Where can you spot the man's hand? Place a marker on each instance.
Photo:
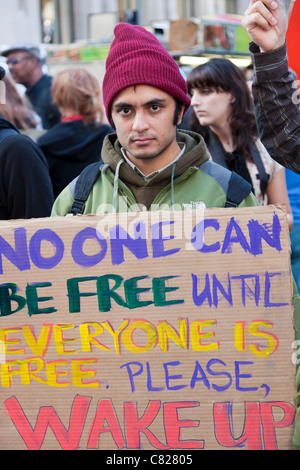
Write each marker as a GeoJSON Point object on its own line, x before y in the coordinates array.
{"type": "Point", "coordinates": [266, 23]}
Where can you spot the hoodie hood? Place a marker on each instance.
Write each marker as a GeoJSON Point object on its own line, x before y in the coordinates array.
{"type": "Point", "coordinates": [5, 124]}
{"type": "Point", "coordinates": [73, 140]}
{"type": "Point", "coordinates": [69, 147]}
{"type": "Point", "coordinates": [144, 189]}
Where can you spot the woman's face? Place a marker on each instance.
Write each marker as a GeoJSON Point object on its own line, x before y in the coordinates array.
{"type": "Point", "coordinates": [212, 107]}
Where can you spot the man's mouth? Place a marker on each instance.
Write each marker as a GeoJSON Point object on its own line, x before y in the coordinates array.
{"type": "Point", "coordinates": [143, 141]}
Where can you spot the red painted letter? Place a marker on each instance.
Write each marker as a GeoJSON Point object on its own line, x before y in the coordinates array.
{"type": "Point", "coordinates": [173, 426]}
{"type": "Point", "coordinates": [134, 425]}
{"type": "Point", "coordinates": [47, 417]}
{"type": "Point", "coordinates": [104, 412]}
{"type": "Point", "coordinates": [252, 434]}
{"type": "Point", "coordinates": [269, 424]}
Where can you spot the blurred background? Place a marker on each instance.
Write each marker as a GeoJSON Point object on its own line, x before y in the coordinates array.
{"type": "Point", "coordinates": [72, 32]}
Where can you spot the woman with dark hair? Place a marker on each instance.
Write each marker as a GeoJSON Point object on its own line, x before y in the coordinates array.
{"type": "Point", "coordinates": [223, 115]}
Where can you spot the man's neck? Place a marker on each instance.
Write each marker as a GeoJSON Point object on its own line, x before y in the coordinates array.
{"type": "Point", "coordinates": [33, 79]}
{"type": "Point", "coordinates": [149, 174]}
{"type": "Point", "coordinates": [147, 166]}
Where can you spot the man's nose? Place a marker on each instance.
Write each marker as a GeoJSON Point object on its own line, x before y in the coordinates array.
{"type": "Point", "coordinates": [140, 122]}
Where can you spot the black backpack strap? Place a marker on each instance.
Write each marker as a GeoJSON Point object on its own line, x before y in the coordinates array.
{"type": "Point", "coordinates": [234, 186]}
{"type": "Point", "coordinates": [238, 190]}
{"type": "Point", "coordinates": [83, 186]}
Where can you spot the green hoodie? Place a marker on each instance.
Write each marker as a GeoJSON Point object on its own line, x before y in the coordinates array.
{"type": "Point", "coordinates": [181, 185]}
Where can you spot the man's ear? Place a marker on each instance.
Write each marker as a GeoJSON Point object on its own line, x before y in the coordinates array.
{"type": "Point", "coordinates": [180, 115]}
{"type": "Point", "coordinates": [112, 124]}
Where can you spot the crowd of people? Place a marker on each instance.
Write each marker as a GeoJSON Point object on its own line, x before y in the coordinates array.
{"type": "Point", "coordinates": [235, 149]}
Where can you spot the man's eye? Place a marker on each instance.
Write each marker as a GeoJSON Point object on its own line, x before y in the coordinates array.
{"type": "Point", "coordinates": [125, 111]}
{"type": "Point", "coordinates": [155, 107]}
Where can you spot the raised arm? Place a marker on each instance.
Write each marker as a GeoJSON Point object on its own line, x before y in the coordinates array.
{"type": "Point", "coordinates": [266, 23]}
{"type": "Point", "coordinates": [275, 96]}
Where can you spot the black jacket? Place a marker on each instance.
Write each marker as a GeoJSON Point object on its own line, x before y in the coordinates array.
{"type": "Point", "coordinates": [69, 147]}
{"type": "Point", "coordinates": [25, 185]}
{"type": "Point", "coordinates": [41, 101]}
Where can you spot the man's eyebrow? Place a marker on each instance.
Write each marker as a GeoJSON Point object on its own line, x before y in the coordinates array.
{"type": "Point", "coordinates": [122, 104]}
{"type": "Point", "coordinates": [155, 101]}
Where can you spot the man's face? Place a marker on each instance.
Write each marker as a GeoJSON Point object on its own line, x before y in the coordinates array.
{"type": "Point", "coordinates": [21, 65]}
{"type": "Point", "coordinates": [144, 120]}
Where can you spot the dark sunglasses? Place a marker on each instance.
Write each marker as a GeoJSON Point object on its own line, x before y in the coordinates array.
{"type": "Point", "coordinates": [16, 61]}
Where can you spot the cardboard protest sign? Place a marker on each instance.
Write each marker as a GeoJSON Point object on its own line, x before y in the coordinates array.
{"type": "Point", "coordinates": [147, 331]}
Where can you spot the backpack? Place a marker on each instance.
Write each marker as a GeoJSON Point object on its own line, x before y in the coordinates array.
{"type": "Point", "coordinates": [237, 188]}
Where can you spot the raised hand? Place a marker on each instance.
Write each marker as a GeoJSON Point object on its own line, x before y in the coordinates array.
{"type": "Point", "coordinates": [266, 23]}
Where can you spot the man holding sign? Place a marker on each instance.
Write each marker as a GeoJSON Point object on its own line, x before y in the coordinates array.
{"type": "Point", "coordinates": [154, 337]}
{"type": "Point", "coordinates": [147, 164]}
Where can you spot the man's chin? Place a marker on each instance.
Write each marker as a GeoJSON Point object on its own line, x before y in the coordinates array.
{"type": "Point", "coordinates": [143, 153]}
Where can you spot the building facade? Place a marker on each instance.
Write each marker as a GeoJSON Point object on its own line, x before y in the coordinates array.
{"type": "Point", "coordinates": [68, 21]}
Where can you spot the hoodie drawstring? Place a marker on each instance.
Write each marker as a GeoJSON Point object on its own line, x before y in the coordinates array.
{"type": "Point", "coordinates": [172, 185]}
{"type": "Point", "coordinates": [116, 187]}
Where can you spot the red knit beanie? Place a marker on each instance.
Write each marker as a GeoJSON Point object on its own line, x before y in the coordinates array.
{"type": "Point", "coordinates": [136, 57]}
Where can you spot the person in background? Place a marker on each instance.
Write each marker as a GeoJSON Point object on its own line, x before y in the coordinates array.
{"type": "Point", "coordinates": [224, 116]}
{"type": "Point", "coordinates": [248, 72]}
{"type": "Point", "coordinates": [77, 140]}
{"type": "Point", "coordinates": [25, 65]}
{"type": "Point", "coordinates": [293, 188]}
{"type": "Point", "coordinates": [25, 185]}
{"type": "Point", "coordinates": [277, 110]}
{"type": "Point", "coordinates": [17, 111]}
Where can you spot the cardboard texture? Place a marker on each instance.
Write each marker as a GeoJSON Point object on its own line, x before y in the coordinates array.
{"type": "Point", "coordinates": [139, 338]}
